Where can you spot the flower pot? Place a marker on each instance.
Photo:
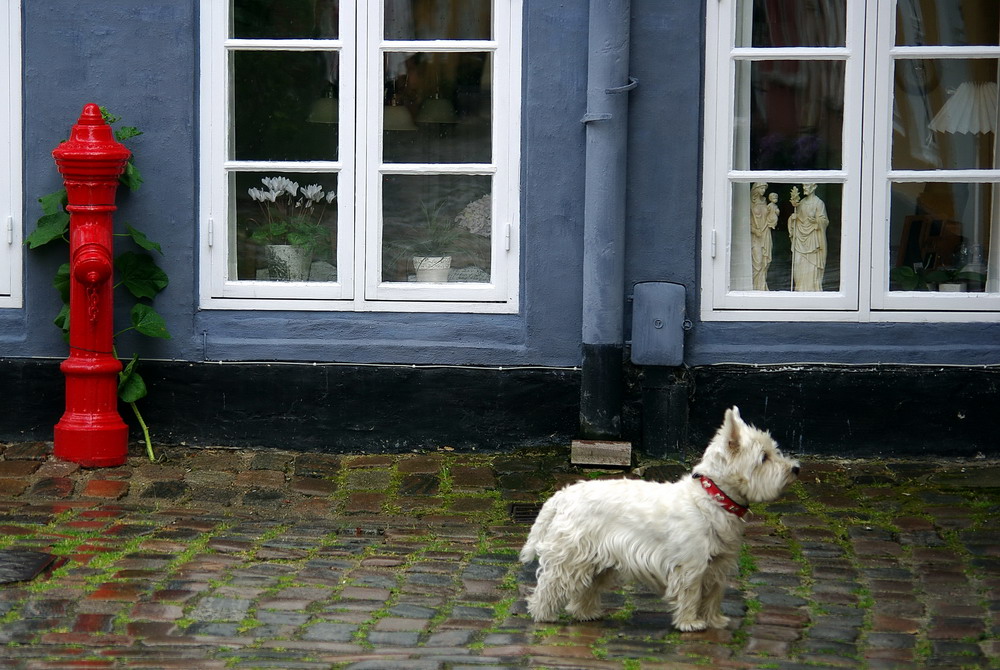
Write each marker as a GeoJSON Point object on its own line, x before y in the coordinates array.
{"type": "Point", "coordinates": [286, 262]}
{"type": "Point", "coordinates": [952, 287]}
{"type": "Point", "coordinates": [432, 268]}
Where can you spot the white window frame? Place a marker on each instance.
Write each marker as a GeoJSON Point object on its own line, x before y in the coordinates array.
{"type": "Point", "coordinates": [865, 174]}
{"type": "Point", "coordinates": [11, 225]}
{"type": "Point", "coordinates": [359, 169]}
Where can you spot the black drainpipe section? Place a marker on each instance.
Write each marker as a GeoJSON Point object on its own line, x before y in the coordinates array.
{"type": "Point", "coordinates": [606, 120]}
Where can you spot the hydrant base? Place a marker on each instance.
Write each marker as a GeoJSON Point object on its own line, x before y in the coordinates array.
{"type": "Point", "coordinates": [91, 446]}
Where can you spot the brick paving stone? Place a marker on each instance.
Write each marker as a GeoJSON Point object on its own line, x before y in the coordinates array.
{"type": "Point", "coordinates": [32, 451]}
{"type": "Point", "coordinates": [11, 488]}
{"type": "Point", "coordinates": [313, 486]}
{"type": "Point", "coordinates": [394, 638]}
{"type": "Point", "coordinates": [57, 469]}
{"type": "Point", "coordinates": [17, 468]}
{"type": "Point", "coordinates": [170, 490]}
{"type": "Point", "coordinates": [118, 591]}
{"type": "Point", "coordinates": [104, 488]}
{"type": "Point", "coordinates": [423, 464]}
{"type": "Point", "coordinates": [466, 477]}
{"type": "Point", "coordinates": [53, 487]}
{"type": "Point", "coordinates": [330, 632]}
{"type": "Point", "coordinates": [220, 609]}
{"type": "Point", "coordinates": [94, 623]}
{"type": "Point", "coordinates": [269, 479]}
{"type": "Point", "coordinates": [364, 502]}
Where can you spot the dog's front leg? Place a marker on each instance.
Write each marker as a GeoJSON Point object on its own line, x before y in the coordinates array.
{"type": "Point", "coordinates": [687, 605]}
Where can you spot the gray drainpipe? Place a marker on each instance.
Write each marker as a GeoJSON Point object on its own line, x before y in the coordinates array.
{"type": "Point", "coordinates": [606, 121]}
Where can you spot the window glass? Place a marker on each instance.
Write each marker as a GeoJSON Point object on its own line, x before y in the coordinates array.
{"type": "Point", "coordinates": [437, 108]}
{"type": "Point", "coordinates": [285, 105]}
{"type": "Point", "coordinates": [277, 19]}
{"type": "Point", "coordinates": [947, 22]}
{"type": "Point", "coordinates": [790, 114]}
{"type": "Point", "coordinates": [791, 23]}
{"type": "Point", "coordinates": [939, 233]}
{"type": "Point", "coordinates": [945, 113]}
{"type": "Point", "coordinates": [436, 228]}
{"type": "Point", "coordinates": [786, 237]}
{"type": "Point", "coordinates": [286, 226]}
{"type": "Point", "coordinates": [437, 19]}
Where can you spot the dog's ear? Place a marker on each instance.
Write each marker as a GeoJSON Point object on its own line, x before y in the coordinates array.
{"type": "Point", "coordinates": [732, 427]}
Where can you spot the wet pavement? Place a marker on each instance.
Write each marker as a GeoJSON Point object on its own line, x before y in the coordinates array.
{"type": "Point", "coordinates": [218, 558]}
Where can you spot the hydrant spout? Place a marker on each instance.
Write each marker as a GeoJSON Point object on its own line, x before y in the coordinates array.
{"type": "Point", "coordinates": [91, 431]}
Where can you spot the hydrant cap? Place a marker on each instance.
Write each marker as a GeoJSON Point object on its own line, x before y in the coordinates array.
{"type": "Point", "coordinates": [91, 136]}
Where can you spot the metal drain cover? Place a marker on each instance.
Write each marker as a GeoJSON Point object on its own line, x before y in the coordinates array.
{"type": "Point", "coordinates": [21, 566]}
{"type": "Point", "coordinates": [524, 512]}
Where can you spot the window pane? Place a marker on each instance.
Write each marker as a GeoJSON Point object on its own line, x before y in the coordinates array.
{"type": "Point", "coordinates": [286, 226]}
{"type": "Point", "coordinates": [432, 216]}
{"type": "Point", "coordinates": [285, 105]}
{"type": "Point", "coordinates": [940, 233]}
{"type": "Point", "coordinates": [947, 22]}
{"type": "Point", "coordinates": [786, 236]}
{"type": "Point", "coordinates": [276, 19]}
{"type": "Point", "coordinates": [791, 23]}
{"type": "Point", "coordinates": [437, 19]}
{"type": "Point", "coordinates": [437, 108]}
{"type": "Point", "coordinates": [789, 115]}
{"type": "Point", "coordinates": [944, 114]}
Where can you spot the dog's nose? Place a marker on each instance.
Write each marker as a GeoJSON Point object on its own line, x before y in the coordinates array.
{"type": "Point", "coordinates": [795, 470]}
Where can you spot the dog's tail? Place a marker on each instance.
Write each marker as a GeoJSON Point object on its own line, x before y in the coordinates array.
{"type": "Point", "coordinates": [538, 531]}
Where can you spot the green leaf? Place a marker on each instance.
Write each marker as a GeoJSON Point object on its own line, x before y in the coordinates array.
{"type": "Point", "coordinates": [126, 133]}
{"type": "Point", "coordinates": [140, 238]}
{"type": "Point", "coordinates": [50, 227]}
{"type": "Point", "coordinates": [140, 274]}
{"type": "Point", "coordinates": [61, 282]}
{"type": "Point", "coordinates": [62, 319]}
{"type": "Point", "coordinates": [148, 322]}
{"type": "Point", "coordinates": [131, 177]}
{"type": "Point", "coordinates": [54, 202]}
{"type": "Point", "coordinates": [108, 117]}
{"type": "Point", "coordinates": [131, 386]}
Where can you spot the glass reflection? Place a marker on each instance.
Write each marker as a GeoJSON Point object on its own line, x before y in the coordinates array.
{"type": "Point", "coordinates": [286, 226]}
{"type": "Point", "coordinates": [786, 237]}
{"type": "Point", "coordinates": [285, 19]}
{"type": "Point", "coordinates": [944, 114]}
{"type": "Point", "coordinates": [791, 23]}
{"type": "Point", "coordinates": [276, 108]}
{"type": "Point", "coordinates": [436, 228]}
{"type": "Point", "coordinates": [437, 108]}
{"type": "Point", "coordinates": [940, 235]}
{"type": "Point", "coordinates": [789, 115]}
{"type": "Point", "coordinates": [438, 19]}
{"type": "Point", "coordinates": [947, 22]}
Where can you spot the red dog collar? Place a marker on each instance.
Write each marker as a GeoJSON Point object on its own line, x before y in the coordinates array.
{"type": "Point", "coordinates": [720, 496]}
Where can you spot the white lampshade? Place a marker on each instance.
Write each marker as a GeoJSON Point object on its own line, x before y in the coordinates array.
{"type": "Point", "coordinates": [324, 110]}
{"type": "Point", "coordinates": [437, 110]}
{"type": "Point", "coordinates": [397, 117]}
{"type": "Point", "coordinates": [971, 109]}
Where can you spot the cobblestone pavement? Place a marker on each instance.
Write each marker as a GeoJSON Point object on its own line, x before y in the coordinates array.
{"type": "Point", "coordinates": [215, 558]}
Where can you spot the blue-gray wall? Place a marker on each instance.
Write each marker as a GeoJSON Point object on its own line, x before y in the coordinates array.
{"type": "Point", "coordinates": [141, 61]}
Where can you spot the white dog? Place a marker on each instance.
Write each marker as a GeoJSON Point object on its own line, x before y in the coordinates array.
{"type": "Point", "coordinates": [682, 539]}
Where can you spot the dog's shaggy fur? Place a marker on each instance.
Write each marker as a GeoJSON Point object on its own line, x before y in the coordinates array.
{"type": "Point", "coordinates": [676, 538]}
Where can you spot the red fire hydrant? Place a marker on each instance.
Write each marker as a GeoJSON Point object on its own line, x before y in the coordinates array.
{"type": "Point", "coordinates": [91, 431]}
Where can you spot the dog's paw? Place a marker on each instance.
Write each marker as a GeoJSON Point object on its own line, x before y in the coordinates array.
{"type": "Point", "coordinates": [585, 615]}
{"type": "Point", "coordinates": [717, 621]}
{"type": "Point", "coordinates": [690, 626]}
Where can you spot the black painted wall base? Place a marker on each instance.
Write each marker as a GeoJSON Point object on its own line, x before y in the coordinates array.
{"type": "Point", "coordinates": [831, 410]}
{"type": "Point", "coordinates": [335, 409]}
{"type": "Point", "coordinates": [856, 411]}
